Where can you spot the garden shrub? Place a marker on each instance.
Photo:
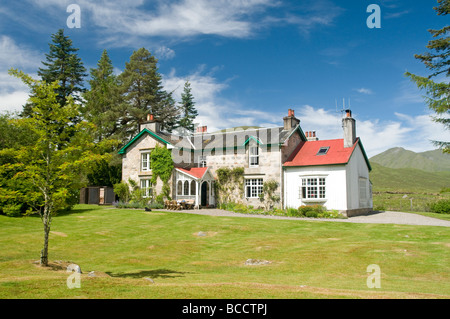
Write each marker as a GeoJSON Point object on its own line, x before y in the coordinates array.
{"type": "Point", "coordinates": [292, 212]}
{"type": "Point", "coordinates": [441, 207]}
{"type": "Point", "coordinates": [12, 210]}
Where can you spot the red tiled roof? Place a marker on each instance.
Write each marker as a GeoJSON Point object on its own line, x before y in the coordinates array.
{"type": "Point", "coordinates": [306, 153]}
{"type": "Point", "coordinates": [196, 172]}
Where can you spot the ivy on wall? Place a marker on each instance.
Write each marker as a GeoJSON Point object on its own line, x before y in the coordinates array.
{"type": "Point", "coordinates": [230, 184]}
{"type": "Point", "coordinates": [161, 164]}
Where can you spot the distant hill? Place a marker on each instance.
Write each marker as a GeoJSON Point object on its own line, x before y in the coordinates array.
{"type": "Point", "coordinates": [407, 179]}
{"type": "Point", "coordinates": [430, 161]}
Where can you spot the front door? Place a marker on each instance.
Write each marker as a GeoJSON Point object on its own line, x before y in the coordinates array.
{"type": "Point", "coordinates": [205, 192]}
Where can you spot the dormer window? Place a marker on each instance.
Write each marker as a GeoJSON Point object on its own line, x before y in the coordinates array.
{"type": "Point", "coordinates": [323, 151]}
{"type": "Point", "coordinates": [254, 156]}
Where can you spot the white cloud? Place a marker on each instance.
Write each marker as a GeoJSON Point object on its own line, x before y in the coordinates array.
{"type": "Point", "coordinates": [215, 111]}
{"type": "Point", "coordinates": [123, 23]}
{"type": "Point", "coordinates": [411, 132]}
{"type": "Point", "coordinates": [364, 91]}
{"type": "Point", "coordinates": [164, 53]}
{"type": "Point", "coordinates": [13, 93]}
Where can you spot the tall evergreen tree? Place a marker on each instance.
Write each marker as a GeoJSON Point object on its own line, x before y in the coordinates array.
{"type": "Point", "coordinates": [167, 112]}
{"type": "Point", "coordinates": [187, 108]}
{"type": "Point", "coordinates": [63, 65]}
{"type": "Point", "coordinates": [104, 101]}
{"type": "Point", "coordinates": [437, 60]}
{"type": "Point", "coordinates": [143, 90]}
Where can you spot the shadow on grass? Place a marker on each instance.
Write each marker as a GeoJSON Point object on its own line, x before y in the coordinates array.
{"type": "Point", "coordinates": [157, 273]}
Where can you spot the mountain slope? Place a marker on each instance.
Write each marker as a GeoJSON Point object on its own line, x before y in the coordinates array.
{"type": "Point", "coordinates": [407, 179]}
{"type": "Point", "coordinates": [430, 161]}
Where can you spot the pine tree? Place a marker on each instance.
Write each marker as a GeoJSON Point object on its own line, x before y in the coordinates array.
{"type": "Point", "coordinates": [141, 86]}
{"type": "Point", "coordinates": [142, 89]}
{"type": "Point", "coordinates": [187, 108]}
{"type": "Point", "coordinates": [437, 60]}
{"type": "Point", "coordinates": [103, 100]}
{"type": "Point", "coordinates": [63, 65]}
{"type": "Point", "coordinates": [167, 112]}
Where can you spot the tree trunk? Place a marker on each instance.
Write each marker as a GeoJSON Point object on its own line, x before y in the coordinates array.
{"type": "Point", "coordinates": [44, 251]}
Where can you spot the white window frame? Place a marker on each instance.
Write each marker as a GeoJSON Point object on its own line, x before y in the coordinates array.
{"type": "Point", "coordinates": [253, 187]}
{"type": "Point", "coordinates": [146, 186]}
{"type": "Point", "coordinates": [202, 161]}
{"type": "Point", "coordinates": [313, 188]}
{"type": "Point", "coordinates": [252, 156]}
{"type": "Point", "coordinates": [145, 162]}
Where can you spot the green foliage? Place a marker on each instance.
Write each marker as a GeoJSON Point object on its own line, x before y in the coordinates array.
{"type": "Point", "coordinates": [104, 101]}
{"type": "Point", "coordinates": [268, 197]}
{"type": "Point", "coordinates": [292, 212]}
{"type": "Point", "coordinates": [122, 190]}
{"type": "Point", "coordinates": [437, 60]}
{"type": "Point", "coordinates": [440, 207]}
{"type": "Point", "coordinates": [12, 210]}
{"type": "Point", "coordinates": [105, 174]}
{"type": "Point", "coordinates": [230, 183]}
{"type": "Point", "coordinates": [64, 66]}
{"type": "Point", "coordinates": [13, 135]}
{"type": "Point", "coordinates": [311, 210]}
{"type": "Point", "coordinates": [161, 164]}
{"type": "Point", "coordinates": [187, 108]}
{"type": "Point", "coordinates": [142, 90]}
{"type": "Point", "coordinates": [50, 169]}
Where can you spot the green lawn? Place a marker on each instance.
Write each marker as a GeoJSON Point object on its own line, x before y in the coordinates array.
{"type": "Point", "coordinates": [309, 259]}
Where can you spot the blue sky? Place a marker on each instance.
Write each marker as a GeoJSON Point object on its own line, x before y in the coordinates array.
{"type": "Point", "coordinates": [249, 61]}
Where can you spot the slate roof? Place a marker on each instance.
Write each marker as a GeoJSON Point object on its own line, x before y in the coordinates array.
{"type": "Point", "coordinates": [220, 140]}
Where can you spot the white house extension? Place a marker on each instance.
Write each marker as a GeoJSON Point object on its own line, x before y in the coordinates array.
{"type": "Point", "coordinates": [332, 173]}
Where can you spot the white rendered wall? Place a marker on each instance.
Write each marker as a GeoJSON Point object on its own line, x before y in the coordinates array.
{"type": "Point", "coordinates": [336, 194]}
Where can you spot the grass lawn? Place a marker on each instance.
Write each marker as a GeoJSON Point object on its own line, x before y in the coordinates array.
{"type": "Point", "coordinates": [308, 259]}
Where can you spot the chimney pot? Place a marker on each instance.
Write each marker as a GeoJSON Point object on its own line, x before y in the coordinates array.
{"type": "Point", "coordinates": [349, 113]}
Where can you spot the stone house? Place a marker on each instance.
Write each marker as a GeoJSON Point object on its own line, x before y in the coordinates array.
{"type": "Point", "coordinates": [265, 154]}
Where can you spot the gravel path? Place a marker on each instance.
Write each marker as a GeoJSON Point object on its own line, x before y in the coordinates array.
{"type": "Point", "coordinates": [372, 218]}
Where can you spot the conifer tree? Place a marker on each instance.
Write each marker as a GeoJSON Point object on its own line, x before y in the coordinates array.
{"type": "Point", "coordinates": [437, 60]}
{"type": "Point", "coordinates": [187, 108]}
{"type": "Point", "coordinates": [104, 102]}
{"type": "Point", "coordinates": [63, 65]}
{"type": "Point", "coordinates": [144, 93]}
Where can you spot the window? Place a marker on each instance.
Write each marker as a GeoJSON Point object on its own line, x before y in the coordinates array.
{"type": "Point", "coordinates": [193, 188]}
{"type": "Point", "coordinates": [180, 188]}
{"type": "Point", "coordinates": [145, 161]}
{"type": "Point", "coordinates": [253, 187]}
{"type": "Point", "coordinates": [362, 191]}
{"type": "Point", "coordinates": [146, 187]}
{"type": "Point", "coordinates": [312, 188]}
{"type": "Point", "coordinates": [254, 156]}
{"type": "Point", "coordinates": [323, 150]}
{"type": "Point", "coordinates": [202, 161]}
{"type": "Point", "coordinates": [186, 188]}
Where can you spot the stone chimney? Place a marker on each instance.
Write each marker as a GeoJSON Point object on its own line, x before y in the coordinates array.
{"type": "Point", "coordinates": [151, 124]}
{"type": "Point", "coordinates": [290, 121]}
{"type": "Point", "coordinates": [349, 125]}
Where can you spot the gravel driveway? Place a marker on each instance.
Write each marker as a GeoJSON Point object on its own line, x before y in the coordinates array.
{"type": "Point", "coordinates": [373, 218]}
